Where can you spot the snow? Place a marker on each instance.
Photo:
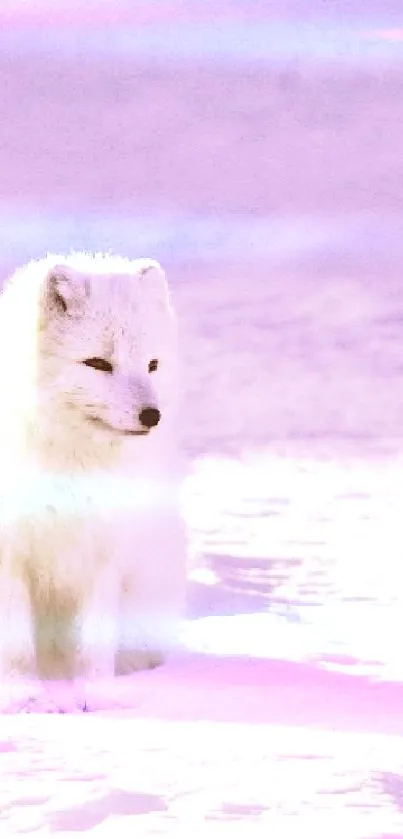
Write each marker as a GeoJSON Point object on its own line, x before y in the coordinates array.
{"type": "Point", "coordinates": [258, 156]}
{"type": "Point", "coordinates": [97, 775]}
{"type": "Point", "coordinates": [216, 748]}
{"type": "Point", "coordinates": [272, 709]}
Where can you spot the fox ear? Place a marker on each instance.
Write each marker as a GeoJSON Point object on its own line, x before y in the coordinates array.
{"type": "Point", "coordinates": [153, 275]}
{"type": "Point", "coordinates": [65, 290]}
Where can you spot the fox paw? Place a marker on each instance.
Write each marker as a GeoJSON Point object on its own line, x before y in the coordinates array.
{"type": "Point", "coordinates": [129, 661]}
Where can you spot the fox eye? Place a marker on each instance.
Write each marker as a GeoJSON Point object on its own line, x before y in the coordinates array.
{"type": "Point", "coordinates": [153, 365]}
{"type": "Point", "coordinates": [99, 364]}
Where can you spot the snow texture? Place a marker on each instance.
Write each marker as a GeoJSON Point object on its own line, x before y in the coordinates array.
{"type": "Point", "coordinates": [254, 147]}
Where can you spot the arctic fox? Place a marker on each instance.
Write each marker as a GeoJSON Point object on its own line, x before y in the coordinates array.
{"type": "Point", "coordinates": [92, 543]}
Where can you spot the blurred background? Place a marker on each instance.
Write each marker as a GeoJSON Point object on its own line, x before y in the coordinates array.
{"type": "Point", "coordinates": [255, 148]}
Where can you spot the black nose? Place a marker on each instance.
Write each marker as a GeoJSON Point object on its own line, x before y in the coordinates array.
{"type": "Point", "coordinates": [149, 417]}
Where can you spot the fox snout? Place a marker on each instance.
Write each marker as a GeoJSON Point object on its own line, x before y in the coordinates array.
{"type": "Point", "coordinates": [128, 405]}
{"type": "Point", "coordinates": [148, 417]}
{"type": "Point", "coordinates": [136, 405]}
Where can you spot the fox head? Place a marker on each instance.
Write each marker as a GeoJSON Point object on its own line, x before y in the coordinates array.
{"type": "Point", "coordinates": [106, 347]}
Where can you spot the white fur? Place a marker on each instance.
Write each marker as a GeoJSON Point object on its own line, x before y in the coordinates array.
{"type": "Point", "coordinates": [92, 546]}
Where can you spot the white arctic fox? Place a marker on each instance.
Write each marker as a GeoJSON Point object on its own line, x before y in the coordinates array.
{"type": "Point", "coordinates": [92, 545]}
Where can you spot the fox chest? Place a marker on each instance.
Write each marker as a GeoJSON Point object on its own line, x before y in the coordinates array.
{"type": "Point", "coordinates": [79, 517]}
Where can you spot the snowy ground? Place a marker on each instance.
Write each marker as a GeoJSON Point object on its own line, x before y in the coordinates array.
{"type": "Point", "coordinates": [288, 701]}
{"type": "Point", "coordinates": [134, 777]}
{"type": "Point", "coordinates": [260, 159]}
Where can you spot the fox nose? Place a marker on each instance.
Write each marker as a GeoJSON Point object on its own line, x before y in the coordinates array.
{"type": "Point", "coordinates": [149, 417]}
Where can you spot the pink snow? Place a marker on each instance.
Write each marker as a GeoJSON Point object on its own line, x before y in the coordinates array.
{"type": "Point", "coordinates": [278, 354]}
